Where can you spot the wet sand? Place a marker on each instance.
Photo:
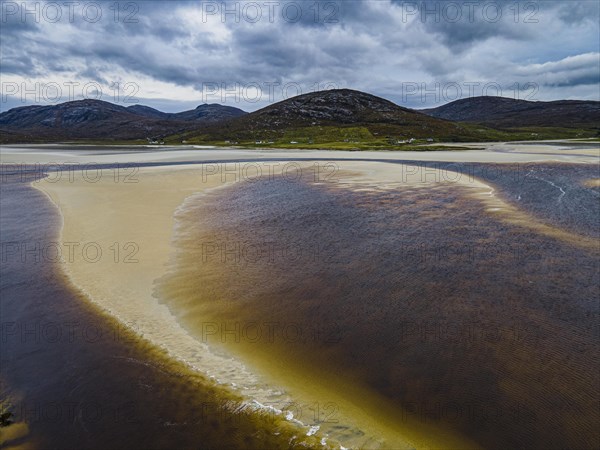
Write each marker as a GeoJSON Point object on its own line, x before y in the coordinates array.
{"type": "Point", "coordinates": [143, 214]}
{"type": "Point", "coordinates": [494, 152]}
{"type": "Point", "coordinates": [131, 225]}
{"type": "Point", "coordinates": [593, 183]}
{"type": "Point", "coordinates": [74, 378]}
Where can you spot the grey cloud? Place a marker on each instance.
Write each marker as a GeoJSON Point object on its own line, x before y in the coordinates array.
{"type": "Point", "coordinates": [462, 24]}
{"type": "Point", "coordinates": [367, 47]}
{"type": "Point", "coordinates": [18, 66]}
{"type": "Point", "coordinates": [577, 12]}
{"type": "Point", "coordinates": [575, 80]}
{"type": "Point", "coordinates": [572, 71]}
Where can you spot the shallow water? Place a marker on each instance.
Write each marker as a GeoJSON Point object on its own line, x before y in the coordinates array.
{"type": "Point", "coordinates": [418, 297]}
{"type": "Point", "coordinates": [74, 379]}
{"type": "Point", "coordinates": [417, 302]}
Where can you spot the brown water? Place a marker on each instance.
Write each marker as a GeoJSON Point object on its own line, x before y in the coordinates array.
{"type": "Point", "coordinates": [419, 308]}
{"type": "Point", "coordinates": [418, 300]}
{"type": "Point", "coordinates": [73, 379]}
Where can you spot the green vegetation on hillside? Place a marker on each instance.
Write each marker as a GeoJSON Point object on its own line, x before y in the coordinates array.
{"type": "Point", "coordinates": [386, 138]}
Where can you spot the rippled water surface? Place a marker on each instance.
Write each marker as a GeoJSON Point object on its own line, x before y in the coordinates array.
{"type": "Point", "coordinates": [419, 296]}
{"type": "Point", "coordinates": [419, 306]}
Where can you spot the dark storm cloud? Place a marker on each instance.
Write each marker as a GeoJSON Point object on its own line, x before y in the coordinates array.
{"type": "Point", "coordinates": [576, 80]}
{"type": "Point", "coordinates": [19, 65]}
{"type": "Point", "coordinates": [462, 23]}
{"type": "Point", "coordinates": [374, 45]}
{"type": "Point", "coordinates": [577, 12]}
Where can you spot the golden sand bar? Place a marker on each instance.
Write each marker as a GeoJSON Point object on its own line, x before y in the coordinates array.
{"type": "Point", "coordinates": [116, 242]}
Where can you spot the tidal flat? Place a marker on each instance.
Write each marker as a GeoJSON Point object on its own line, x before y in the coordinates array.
{"type": "Point", "coordinates": [375, 303]}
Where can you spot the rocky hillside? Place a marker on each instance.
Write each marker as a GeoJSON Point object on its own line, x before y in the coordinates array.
{"type": "Point", "coordinates": [340, 108]}
{"type": "Point", "coordinates": [341, 115]}
{"type": "Point", "coordinates": [204, 113]}
{"type": "Point", "coordinates": [146, 111]}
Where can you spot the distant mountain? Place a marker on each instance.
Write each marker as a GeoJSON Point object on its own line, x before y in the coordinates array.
{"type": "Point", "coordinates": [65, 115]}
{"type": "Point", "coordinates": [341, 108]}
{"type": "Point", "coordinates": [210, 113]}
{"type": "Point", "coordinates": [146, 111]}
{"type": "Point", "coordinates": [502, 112]}
{"type": "Point", "coordinates": [341, 115]}
{"type": "Point", "coordinates": [203, 113]}
{"type": "Point", "coordinates": [95, 119]}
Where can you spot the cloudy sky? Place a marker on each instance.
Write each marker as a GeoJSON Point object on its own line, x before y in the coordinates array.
{"type": "Point", "coordinates": [175, 55]}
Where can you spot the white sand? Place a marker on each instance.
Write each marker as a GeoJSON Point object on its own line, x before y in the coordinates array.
{"type": "Point", "coordinates": [564, 151]}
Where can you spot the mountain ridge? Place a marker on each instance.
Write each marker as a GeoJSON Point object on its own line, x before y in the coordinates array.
{"type": "Point", "coordinates": [505, 112]}
{"type": "Point", "coordinates": [364, 113]}
{"type": "Point", "coordinates": [97, 119]}
{"type": "Point", "coordinates": [339, 115]}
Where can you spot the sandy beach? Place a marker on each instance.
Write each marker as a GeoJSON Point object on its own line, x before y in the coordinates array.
{"type": "Point", "coordinates": [120, 234]}
{"type": "Point", "coordinates": [241, 226]}
{"type": "Point", "coordinates": [497, 152]}
{"type": "Point", "coordinates": [116, 242]}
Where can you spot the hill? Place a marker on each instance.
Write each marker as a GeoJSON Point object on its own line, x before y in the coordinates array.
{"type": "Point", "coordinates": [504, 113]}
{"type": "Point", "coordinates": [96, 119]}
{"type": "Point", "coordinates": [340, 118]}
{"type": "Point", "coordinates": [146, 111]}
{"type": "Point", "coordinates": [203, 113]}
{"type": "Point", "coordinates": [209, 113]}
{"type": "Point", "coordinates": [333, 116]}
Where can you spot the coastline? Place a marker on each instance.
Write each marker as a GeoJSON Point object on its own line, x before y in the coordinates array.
{"type": "Point", "coordinates": [90, 360]}
{"type": "Point", "coordinates": [144, 213]}
{"type": "Point", "coordinates": [104, 213]}
{"type": "Point", "coordinates": [491, 152]}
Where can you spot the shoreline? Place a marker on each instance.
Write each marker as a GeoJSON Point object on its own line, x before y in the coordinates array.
{"type": "Point", "coordinates": [160, 391]}
{"type": "Point", "coordinates": [134, 284]}
{"type": "Point", "coordinates": [495, 152]}
{"type": "Point", "coordinates": [127, 291]}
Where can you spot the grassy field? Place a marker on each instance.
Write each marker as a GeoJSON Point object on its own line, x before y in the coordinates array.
{"type": "Point", "coordinates": [366, 138]}
{"type": "Point", "coordinates": [358, 138]}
